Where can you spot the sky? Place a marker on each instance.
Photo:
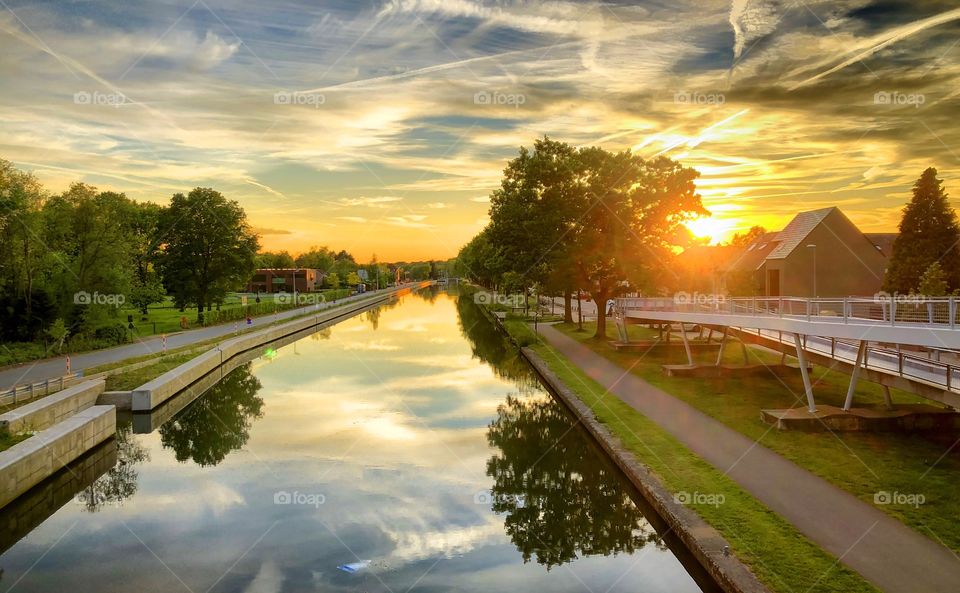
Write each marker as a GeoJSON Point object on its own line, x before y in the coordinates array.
{"type": "Point", "coordinates": [382, 126]}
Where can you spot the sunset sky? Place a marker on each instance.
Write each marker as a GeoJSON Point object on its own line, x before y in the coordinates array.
{"type": "Point", "coordinates": [382, 126]}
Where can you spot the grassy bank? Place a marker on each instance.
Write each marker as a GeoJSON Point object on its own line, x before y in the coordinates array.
{"type": "Point", "coordinates": [8, 440]}
{"type": "Point", "coordinates": [781, 557]}
{"type": "Point", "coordinates": [861, 463]}
{"type": "Point", "coordinates": [134, 378]}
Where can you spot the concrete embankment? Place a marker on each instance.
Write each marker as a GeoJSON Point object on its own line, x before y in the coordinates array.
{"type": "Point", "coordinates": [153, 393]}
{"type": "Point", "coordinates": [28, 463]}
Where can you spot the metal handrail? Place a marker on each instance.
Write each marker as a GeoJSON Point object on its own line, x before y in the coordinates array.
{"type": "Point", "coordinates": [897, 311]}
{"type": "Point", "coordinates": [940, 374]}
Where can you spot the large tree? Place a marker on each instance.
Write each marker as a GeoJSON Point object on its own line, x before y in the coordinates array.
{"type": "Point", "coordinates": [208, 248]}
{"type": "Point", "coordinates": [633, 221]}
{"type": "Point", "coordinates": [929, 233]}
{"type": "Point", "coordinates": [533, 213]}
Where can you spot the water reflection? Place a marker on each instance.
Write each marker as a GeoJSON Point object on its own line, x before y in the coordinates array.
{"type": "Point", "coordinates": [564, 504]}
{"type": "Point", "coordinates": [120, 481]}
{"type": "Point", "coordinates": [217, 423]}
{"type": "Point", "coordinates": [489, 346]}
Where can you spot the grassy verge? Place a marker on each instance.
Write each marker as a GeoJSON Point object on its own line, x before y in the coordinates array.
{"type": "Point", "coordinates": [137, 377]}
{"type": "Point", "coordinates": [8, 440]}
{"type": "Point", "coordinates": [863, 464]}
{"type": "Point", "coordinates": [781, 557]}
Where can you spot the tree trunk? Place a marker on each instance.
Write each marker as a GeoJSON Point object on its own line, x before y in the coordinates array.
{"type": "Point", "coordinates": [567, 306]}
{"type": "Point", "coordinates": [200, 311]}
{"type": "Point", "coordinates": [600, 300]}
{"type": "Point", "coordinates": [579, 312]}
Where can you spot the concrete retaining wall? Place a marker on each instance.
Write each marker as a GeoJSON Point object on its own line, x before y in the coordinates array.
{"type": "Point", "coordinates": [28, 463]}
{"type": "Point", "coordinates": [26, 513]}
{"type": "Point", "coordinates": [51, 409]}
{"type": "Point", "coordinates": [153, 393]}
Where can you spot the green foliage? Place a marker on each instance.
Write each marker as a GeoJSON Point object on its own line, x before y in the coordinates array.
{"type": "Point", "coordinates": [208, 248]}
{"type": "Point", "coordinates": [112, 334]}
{"type": "Point", "coordinates": [319, 258]}
{"type": "Point", "coordinates": [929, 232]}
{"type": "Point", "coordinates": [58, 332]}
{"type": "Point", "coordinates": [282, 259]}
{"type": "Point", "coordinates": [353, 279]}
{"type": "Point", "coordinates": [933, 282]}
{"type": "Point", "coordinates": [567, 218]}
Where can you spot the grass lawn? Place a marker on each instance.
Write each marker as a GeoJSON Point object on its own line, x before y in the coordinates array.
{"type": "Point", "coordinates": [860, 463]}
{"type": "Point", "coordinates": [164, 318]}
{"type": "Point", "coordinates": [8, 440]}
{"type": "Point", "coordinates": [137, 377]}
{"type": "Point", "coordinates": [781, 557]}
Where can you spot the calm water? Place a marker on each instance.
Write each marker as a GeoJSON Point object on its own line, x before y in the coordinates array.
{"type": "Point", "coordinates": [406, 444]}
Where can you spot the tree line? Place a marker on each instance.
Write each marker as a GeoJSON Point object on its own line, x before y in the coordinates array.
{"type": "Point", "coordinates": [69, 261]}
{"type": "Point", "coordinates": [568, 219]}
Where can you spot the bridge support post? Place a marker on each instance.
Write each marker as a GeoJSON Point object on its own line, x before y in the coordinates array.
{"type": "Point", "coordinates": [723, 342]}
{"type": "Point", "coordinates": [805, 373]}
{"type": "Point", "coordinates": [686, 343]}
{"type": "Point", "coordinates": [887, 400]}
{"type": "Point", "coordinates": [861, 353]}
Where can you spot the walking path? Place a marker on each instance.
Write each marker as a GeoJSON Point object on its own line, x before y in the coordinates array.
{"type": "Point", "coordinates": [886, 552]}
{"type": "Point", "coordinates": [50, 368]}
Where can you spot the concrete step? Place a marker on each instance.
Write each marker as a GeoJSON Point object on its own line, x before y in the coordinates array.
{"type": "Point", "coordinates": [47, 411]}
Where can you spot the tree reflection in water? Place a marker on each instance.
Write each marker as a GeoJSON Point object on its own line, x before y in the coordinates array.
{"type": "Point", "coordinates": [218, 422]}
{"type": "Point", "coordinates": [561, 499]}
{"type": "Point", "coordinates": [489, 346]}
{"type": "Point", "coordinates": [119, 482]}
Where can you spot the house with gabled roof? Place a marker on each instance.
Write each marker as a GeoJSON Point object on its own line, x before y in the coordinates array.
{"type": "Point", "coordinates": [819, 253]}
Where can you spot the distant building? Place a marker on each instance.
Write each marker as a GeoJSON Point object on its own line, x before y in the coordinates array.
{"type": "Point", "coordinates": [270, 280]}
{"type": "Point", "coordinates": [819, 253]}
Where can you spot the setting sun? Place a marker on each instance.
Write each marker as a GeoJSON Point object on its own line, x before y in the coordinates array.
{"type": "Point", "coordinates": [713, 228]}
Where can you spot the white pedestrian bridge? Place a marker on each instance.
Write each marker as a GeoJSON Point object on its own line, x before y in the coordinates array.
{"type": "Point", "coordinates": [868, 333]}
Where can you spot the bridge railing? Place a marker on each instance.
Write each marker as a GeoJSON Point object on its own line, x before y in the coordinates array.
{"type": "Point", "coordinates": [899, 310]}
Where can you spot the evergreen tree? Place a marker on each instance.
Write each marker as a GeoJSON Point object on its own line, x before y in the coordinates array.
{"type": "Point", "coordinates": [929, 233]}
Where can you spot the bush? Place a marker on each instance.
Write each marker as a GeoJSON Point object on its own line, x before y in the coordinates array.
{"type": "Point", "coordinates": [111, 334]}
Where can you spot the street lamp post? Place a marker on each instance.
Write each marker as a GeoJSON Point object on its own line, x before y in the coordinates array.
{"type": "Point", "coordinates": [814, 248]}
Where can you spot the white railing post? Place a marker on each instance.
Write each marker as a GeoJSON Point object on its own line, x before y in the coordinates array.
{"type": "Point", "coordinates": [952, 307]}
{"type": "Point", "coordinates": [893, 310]}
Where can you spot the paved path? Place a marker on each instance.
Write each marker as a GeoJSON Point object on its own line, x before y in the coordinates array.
{"type": "Point", "coordinates": [50, 368]}
{"type": "Point", "coordinates": [885, 551]}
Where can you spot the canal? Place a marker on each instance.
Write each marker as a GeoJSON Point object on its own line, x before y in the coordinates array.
{"type": "Point", "coordinates": [405, 449]}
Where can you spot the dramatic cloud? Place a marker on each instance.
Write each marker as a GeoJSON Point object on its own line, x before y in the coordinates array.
{"type": "Point", "coordinates": [373, 113]}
